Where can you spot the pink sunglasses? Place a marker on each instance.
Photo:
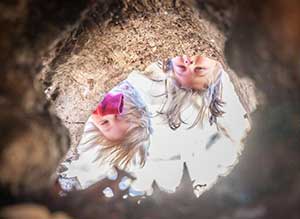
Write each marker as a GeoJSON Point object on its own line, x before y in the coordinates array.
{"type": "Point", "coordinates": [112, 104]}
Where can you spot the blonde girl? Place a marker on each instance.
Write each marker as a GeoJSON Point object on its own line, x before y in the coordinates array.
{"type": "Point", "coordinates": [121, 135]}
{"type": "Point", "coordinates": [116, 134]}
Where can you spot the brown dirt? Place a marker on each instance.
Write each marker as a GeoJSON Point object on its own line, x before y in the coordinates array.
{"type": "Point", "coordinates": [109, 52]}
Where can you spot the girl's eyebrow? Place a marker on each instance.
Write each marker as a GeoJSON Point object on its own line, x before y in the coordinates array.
{"type": "Point", "coordinates": [180, 66]}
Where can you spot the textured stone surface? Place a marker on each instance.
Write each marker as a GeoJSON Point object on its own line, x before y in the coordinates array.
{"type": "Point", "coordinates": [33, 140]}
{"type": "Point", "coordinates": [265, 183]}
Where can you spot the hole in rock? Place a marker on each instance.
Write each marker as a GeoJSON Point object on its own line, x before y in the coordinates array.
{"type": "Point", "coordinates": [104, 56]}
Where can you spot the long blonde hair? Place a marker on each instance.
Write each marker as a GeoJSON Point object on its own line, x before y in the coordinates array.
{"type": "Point", "coordinates": [177, 99]}
{"type": "Point", "coordinates": [133, 149]}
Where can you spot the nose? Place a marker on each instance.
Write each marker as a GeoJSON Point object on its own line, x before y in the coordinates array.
{"type": "Point", "coordinates": [187, 60]}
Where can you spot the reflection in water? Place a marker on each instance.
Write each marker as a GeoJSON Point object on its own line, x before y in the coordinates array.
{"type": "Point", "coordinates": [207, 151]}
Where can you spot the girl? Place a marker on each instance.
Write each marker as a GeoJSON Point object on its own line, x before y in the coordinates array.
{"type": "Point", "coordinates": [198, 119]}
{"type": "Point", "coordinates": [194, 91]}
{"type": "Point", "coordinates": [116, 134]}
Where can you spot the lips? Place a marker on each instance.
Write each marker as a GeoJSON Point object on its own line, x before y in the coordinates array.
{"type": "Point", "coordinates": [112, 104]}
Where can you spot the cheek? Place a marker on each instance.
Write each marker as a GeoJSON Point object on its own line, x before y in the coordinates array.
{"type": "Point", "coordinates": [112, 134]}
{"type": "Point", "coordinates": [185, 81]}
{"type": "Point", "coordinates": [118, 131]}
{"type": "Point", "coordinates": [122, 128]}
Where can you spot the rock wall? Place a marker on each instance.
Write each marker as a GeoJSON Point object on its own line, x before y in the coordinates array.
{"type": "Point", "coordinates": [32, 139]}
{"type": "Point", "coordinates": [263, 40]}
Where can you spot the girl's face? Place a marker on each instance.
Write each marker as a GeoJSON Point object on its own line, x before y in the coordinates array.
{"type": "Point", "coordinates": [113, 127]}
{"type": "Point", "coordinates": [194, 72]}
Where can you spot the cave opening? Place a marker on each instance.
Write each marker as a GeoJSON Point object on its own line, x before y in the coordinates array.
{"type": "Point", "coordinates": [101, 56]}
{"type": "Point", "coordinates": [40, 45]}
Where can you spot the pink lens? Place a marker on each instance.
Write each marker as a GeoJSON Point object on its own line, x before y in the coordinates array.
{"type": "Point", "coordinates": [112, 104]}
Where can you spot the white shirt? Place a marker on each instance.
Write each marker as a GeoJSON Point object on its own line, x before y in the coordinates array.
{"type": "Point", "coordinates": [169, 148]}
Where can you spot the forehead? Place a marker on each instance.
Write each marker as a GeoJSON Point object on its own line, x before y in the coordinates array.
{"type": "Point", "coordinates": [196, 59]}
